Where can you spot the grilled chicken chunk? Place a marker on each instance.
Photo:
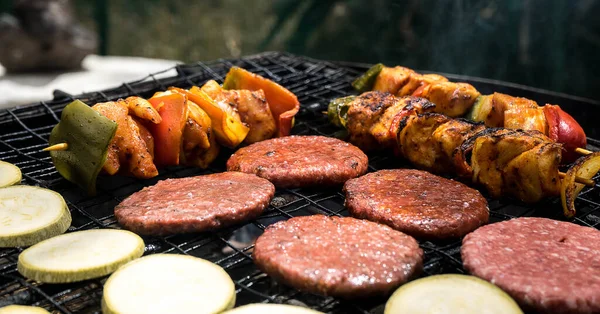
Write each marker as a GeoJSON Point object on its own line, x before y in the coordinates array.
{"type": "Point", "coordinates": [451, 99]}
{"type": "Point", "coordinates": [522, 164]}
{"type": "Point", "coordinates": [429, 140]}
{"type": "Point", "coordinates": [533, 174]}
{"type": "Point", "coordinates": [127, 151]}
{"type": "Point", "coordinates": [490, 153]}
{"type": "Point", "coordinates": [493, 109]}
{"type": "Point", "coordinates": [526, 119]}
{"type": "Point", "coordinates": [416, 81]}
{"type": "Point", "coordinates": [391, 80]}
{"type": "Point", "coordinates": [251, 106]}
{"type": "Point", "coordinates": [199, 145]}
{"type": "Point", "coordinates": [373, 118]}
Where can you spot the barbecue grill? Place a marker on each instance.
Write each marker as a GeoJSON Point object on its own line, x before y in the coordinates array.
{"type": "Point", "coordinates": [24, 132]}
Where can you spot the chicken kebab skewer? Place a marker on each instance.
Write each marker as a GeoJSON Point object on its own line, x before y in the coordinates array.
{"type": "Point", "coordinates": [523, 164]}
{"type": "Point", "coordinates": [179, 126]}
{"type": "Point", "coordinates": [495, 110]}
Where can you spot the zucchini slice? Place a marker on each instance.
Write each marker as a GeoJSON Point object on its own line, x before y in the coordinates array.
{"type": "Point", "coordinates": [168, 283]}
{"type": "Point", "coordinates": [22, 309]}
{"type": "Point", "coordinates": [80, 255]}
{"type": "Point", "coordinates": [9, 174]}
{"type": "Point", "coordinates": [451, 293]}
{"type": "Point", "coordinates": [271, 309]}
{"type": "Point", "coordinates": [30, 214]}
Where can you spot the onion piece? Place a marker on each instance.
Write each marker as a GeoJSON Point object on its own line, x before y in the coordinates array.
{"type": "Point", "coordinates": [585, 167]}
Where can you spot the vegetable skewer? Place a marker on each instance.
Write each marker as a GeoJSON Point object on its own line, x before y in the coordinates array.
{"type": "Point", "coordinates": [522, 164]}
{"type": "Point", "coordinates": [496, 110]}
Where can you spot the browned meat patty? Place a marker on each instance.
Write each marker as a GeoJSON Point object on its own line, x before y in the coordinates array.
{"type": "Point", "coordinates": [195, 204]}
{"type": "Point", "coordinates": [546, 265]}
{"type": "Point", "coordinates": [333, 256]}
{"type": "Point", "coordinates": [301, 161]}
{"type": "Point", "coordinates": [417, 202]}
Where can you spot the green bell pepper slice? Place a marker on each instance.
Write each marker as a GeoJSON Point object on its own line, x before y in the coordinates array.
{"type": "Point", "coordinates": [366, 81]}
{"type": "Point", "coordinates": [87, 134]}
{"type": "Point", "coordinates": [337, 111]}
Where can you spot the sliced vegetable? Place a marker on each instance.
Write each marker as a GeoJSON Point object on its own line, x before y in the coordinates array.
{"type": "Point", "coordinates": [87, 135]}
{"type": "Point", "coordinates": [283, 104]}
{"type": "Point", "coordinates": [480, 109]}
{"type": "Point", "coordinates": [31, 214]}
{"type": "Point", "coordinates": [338, 109]}
{"type": "Point", "coordinates": [585, 167]}
{"type": "Point", "coordinates": [9, 174]}
{"type": "Point", "coordinates": [22, 309]}
{"type": "Point", "coordinates": [450, 293]}
{"type": "Point", "coordinates": [178, 284]}
{"type": "Point", "coordinates": [80, 255]}
{"type": "Point", "coordinates": [168, 134]}
{"type": "Point", "coordinates": [562, 128]}
{"type": "Point", "coordinates": [271, 309]}
{"type": "Point", "coordinates": [365, 82]}
{"type": "Point", "coordinates": [230, 131]}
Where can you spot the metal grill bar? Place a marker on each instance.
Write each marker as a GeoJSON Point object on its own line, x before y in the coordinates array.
{"type": "Point", "coordinates": [25, 131]}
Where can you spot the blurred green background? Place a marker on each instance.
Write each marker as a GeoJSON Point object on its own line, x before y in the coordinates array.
{"type": "Point", "coordinates": [552, 44]}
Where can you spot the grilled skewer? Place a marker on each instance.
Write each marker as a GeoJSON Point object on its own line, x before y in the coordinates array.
{"type": "Point", "coordinates": [517, 163]}
{"type": "Point", "coordinates": [495, 110]}
{"type": "Point", "coordinates": [174, 127]}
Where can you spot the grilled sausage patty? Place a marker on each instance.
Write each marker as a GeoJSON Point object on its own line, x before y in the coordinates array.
{"type": "Point", "coordinates": [546, 265]}
{"type": "Point", "coordinates": [195, 204]}
{"type": "Point", "coordinates": [343, 257]}
{"type": "Point", "coordinates": [301, 161]}
{"type": "Point", "coordinates": [417, 203]}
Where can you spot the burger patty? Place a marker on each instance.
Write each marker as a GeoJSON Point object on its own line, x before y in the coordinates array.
{"type": "Point", "coordinates": [334, 256]}
{"type": "Point", "coordinates": [545, 265]}
{"type": "Point", "coordinates": [195, 204]}
{"type": "Point", "coordinates": [301, 161]}
{"type": "Point", "coordinates": [417, 202]}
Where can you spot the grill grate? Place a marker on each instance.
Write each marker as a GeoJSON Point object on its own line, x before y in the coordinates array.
{"type": "Point", "coordinates": [24, 132]}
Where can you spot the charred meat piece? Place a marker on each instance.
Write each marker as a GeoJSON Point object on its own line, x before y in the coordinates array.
{"type": "Point", "coordinates": [416, 202]}
{"type": "Point", "coordinates": [533, 174]}
{"type": "Point", "coordinates": [416, 143]}
{"type": "Point", "coordinates": [338, 256]}
{"type": "Point", "coordinates": [199, 146]}
{"type": "Point", "coordinates": [251, 106]}
{"type": "Point", "coordinates": [301, 161]}
{"type": "Point", "coordinates": [429, 140]}
{"type": "Point", "coordinates": [547, 266]}
{"type": "Point", "coordinates": [451, 99]}
{"type": "Point", "coordinates": [494, 107]}
{"type": "Point", "coordinates": [195, 204]}
{"type": "Point", "coordinates": [128, 151]}
{"type": "Point", "coordinates": [373, 118]}
{"type": "Point", "coordinates": [417, 81]}
{"type": "Point", "coordinates": [486, 157]}
{"type": "Point", "coordinates": [391, 80]}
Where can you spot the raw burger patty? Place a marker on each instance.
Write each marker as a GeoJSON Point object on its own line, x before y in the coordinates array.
{"type": "Point", "coordinates": [195, 204]}
{"type": "Point", "coordinates": [545, 265]}
{"type": "Point", "coordinates": [300, 161]}
{"type": "Point", "coordinates": [417, 202]}
{"type": "Point", "coordinates": [342, 257]}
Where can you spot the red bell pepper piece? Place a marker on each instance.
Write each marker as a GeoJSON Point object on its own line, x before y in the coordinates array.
{"type": "Point", "coordinates": [564, 129]}
{"type": "Point", "coordinates": [168, 133]}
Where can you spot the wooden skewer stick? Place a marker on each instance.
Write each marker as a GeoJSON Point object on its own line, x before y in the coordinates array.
{"type": "Point", "coordinates": [583, 151]}
{"type": "Point", "coordinates": [588, 182]}
{"type": "Point", "coordinates": [57, 147]}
